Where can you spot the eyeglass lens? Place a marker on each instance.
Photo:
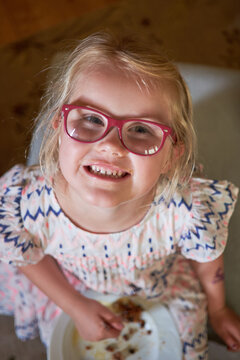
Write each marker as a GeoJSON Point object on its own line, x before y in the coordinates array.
{"type": "Point", "coordinates": [138, 136]}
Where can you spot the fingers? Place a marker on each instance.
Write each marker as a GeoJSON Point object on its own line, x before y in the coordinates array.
{"type": "Point", "coordinates": [113, 320]}
{"type": "Point", "coordinates": [110, 331]}
{"type": "Point", "coordinates": [226, 323]}
{"type": "Point", "coordinates": [234, 334]}
{"type": "Point", "coordinates": [112, 323]}
{"type": "Point", "coordinates": [234, 347]}
{"type": "Point", "coordinates": [232, 344]}
{"type": "Point", "coordinates": [232, 338]}
{"type": "Point", "coordinates": [100, 323]}
{"type": "Point", "coordinates": [117, 323]}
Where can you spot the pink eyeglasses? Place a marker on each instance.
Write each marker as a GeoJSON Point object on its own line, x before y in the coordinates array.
{"type": "Point", "coordinates": [141, 137]}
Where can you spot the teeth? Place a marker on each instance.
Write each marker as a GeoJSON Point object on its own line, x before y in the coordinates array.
{"type": "Point", "coordinates": [111, 173]}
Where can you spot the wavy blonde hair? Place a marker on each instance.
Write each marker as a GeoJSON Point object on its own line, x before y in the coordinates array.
{"type": "Point", "coordinates": [135, 60]}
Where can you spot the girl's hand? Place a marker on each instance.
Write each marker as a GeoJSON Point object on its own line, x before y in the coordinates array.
{"type": "Point", "coordinates": [96, 322]}
{"type": "Point", "coordinates": [93, 320]}
{"type": "Point", "coordinates": [226, 324]}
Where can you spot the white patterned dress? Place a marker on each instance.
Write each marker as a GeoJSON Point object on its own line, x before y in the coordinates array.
{"type": "Point", "coordinates": [150, 259]}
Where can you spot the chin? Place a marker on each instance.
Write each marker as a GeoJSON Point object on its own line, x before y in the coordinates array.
{"type": "Point", "coordinates": [106, 201]}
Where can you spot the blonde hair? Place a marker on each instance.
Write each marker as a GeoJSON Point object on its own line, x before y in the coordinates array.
{"type": "Point", "coordinates": [135, 60]}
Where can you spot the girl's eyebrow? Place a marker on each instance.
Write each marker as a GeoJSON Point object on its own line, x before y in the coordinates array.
{"type": "Point", "coordinates": [158, 119]}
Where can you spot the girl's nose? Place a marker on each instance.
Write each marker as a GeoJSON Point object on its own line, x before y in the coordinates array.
{"type": "Point", "coordinates": [111, 144]}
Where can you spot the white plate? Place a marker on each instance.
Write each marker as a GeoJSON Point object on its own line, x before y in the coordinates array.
{"type": "Point", "coordinates": [162, 341]}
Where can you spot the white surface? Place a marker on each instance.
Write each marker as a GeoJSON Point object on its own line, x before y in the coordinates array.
{"type": "Point", "coordinates": [163, 342]}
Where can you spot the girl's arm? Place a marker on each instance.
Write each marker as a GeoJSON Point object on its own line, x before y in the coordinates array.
{"type": "Point", "coordinates": [93, 320]}
{"type": "Point", "coordinates": [223, 320]}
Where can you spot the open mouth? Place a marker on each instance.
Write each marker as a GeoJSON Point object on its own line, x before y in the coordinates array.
{"type": "Point", "coordinates": [106, 173]}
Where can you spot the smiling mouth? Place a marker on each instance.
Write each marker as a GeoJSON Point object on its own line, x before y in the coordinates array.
{"type": "Point", "coordinates": [106, 173]}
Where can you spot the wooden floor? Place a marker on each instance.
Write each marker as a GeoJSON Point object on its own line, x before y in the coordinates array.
{"type": "Point", "coordinates": [21, 18]}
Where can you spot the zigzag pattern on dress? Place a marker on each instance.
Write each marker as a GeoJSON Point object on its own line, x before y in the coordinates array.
{"type": "Point", "coordinates": [205, 246]}
{"type": "Point", "coordinates": [5, 230]}
{"type": "Point", "coordinates": [212, 186]}
{"type": "Point", "coordinates": [196, 340]}
{"type": "Point", "coordinates": [183, 202]}
{"type": "Point", "coordinates": [16, 173]}
{"type": "Point", "coordinates": [160, 276]}
{"type": "Point", "coordinates": [40, 212]}
{"type": "Point", "coordinates": [222, 213]}
{"type": "Point", "coordinates": [25, 245]}
{"type": "Point", "coordinates": [206, 219]}
{"type": "Point", "coordinates": [39, 191]}
{"type": "Point", "coordinates": [229, 192]}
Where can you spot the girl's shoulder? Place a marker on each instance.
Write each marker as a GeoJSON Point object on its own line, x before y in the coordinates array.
{"type": "Point", "coordinates": [20, 176]}
{"type": "Point", "coordinates": [199, 214]}
{"type": "Point", "coordinates": [213, 190]}
{"type": "Point", "coordinates": [199, 193]}
{"type": "Point", "coordinates": [25, 188]}
{"type": "Point", "coordinates": [26, 182]}
{"type": "Point", "coordinates": [17, 244]}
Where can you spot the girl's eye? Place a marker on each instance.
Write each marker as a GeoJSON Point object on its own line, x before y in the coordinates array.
{"type": "Point", "coordinates": [93, 119]}
{"type": "Point", "coordinates": [140, 129]}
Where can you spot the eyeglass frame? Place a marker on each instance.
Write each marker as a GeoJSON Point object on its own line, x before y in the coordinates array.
{"type": "Point", "coordinates": [118, 123]}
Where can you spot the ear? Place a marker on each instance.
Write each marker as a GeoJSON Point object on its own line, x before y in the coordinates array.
{"type": "Point", "coordinates": [56, 121]}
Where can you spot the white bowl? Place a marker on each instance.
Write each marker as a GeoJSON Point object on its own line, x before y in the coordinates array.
{"type": "Point", "coordinates": [161, 342]}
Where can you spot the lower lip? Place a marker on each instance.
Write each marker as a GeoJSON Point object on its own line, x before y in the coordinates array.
{"type": "Point", "coordinates": [104, 178]}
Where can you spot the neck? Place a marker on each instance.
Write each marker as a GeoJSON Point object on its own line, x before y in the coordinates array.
{"type": "Point", "coordinates": [102, 219]}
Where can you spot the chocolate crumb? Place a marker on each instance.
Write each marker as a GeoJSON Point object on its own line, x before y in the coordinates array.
{"type": "Point", "coordinates": [132, 331]}
{"type": "Point", "coordinates": [111, 347]}
{"type": "Point", "coordinates": [142, 323]}
{"type": "Point", "coordinates": [128, 310]}
{"type": "Point", "coordinates": [88, 347]}
{"type": "Point", "coordinates": [117, 356]}
{"type": "Point", "coordinates": [131, 351]}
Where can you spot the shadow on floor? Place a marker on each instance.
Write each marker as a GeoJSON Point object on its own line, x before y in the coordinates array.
{"type": "Point", "coordinates": [11, 348]}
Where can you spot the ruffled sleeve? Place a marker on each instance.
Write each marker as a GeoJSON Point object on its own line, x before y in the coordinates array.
{"type": "Point", "coordinates": [17, 245]}
{"type": "Point", "coordinates": [206, 224]}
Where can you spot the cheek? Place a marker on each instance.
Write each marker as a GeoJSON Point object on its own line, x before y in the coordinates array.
{"type": "Point", "coordinates": [66, 154]}
{"type": "Point", "coordinates": [153, 167]}
{"type": "Point", "coordinates": [62, 156]}
{"type": "Point", "coordinates": [71, 152]}
{"type": "Point", "coordinates": [149, 170]}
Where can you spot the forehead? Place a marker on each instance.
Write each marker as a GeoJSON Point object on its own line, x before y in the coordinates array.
{"type": "Point", "coordinates": [122, 94]}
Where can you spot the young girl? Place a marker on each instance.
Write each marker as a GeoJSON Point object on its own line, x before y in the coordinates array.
{"type": "Point", "coordinates": [114, 206]}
